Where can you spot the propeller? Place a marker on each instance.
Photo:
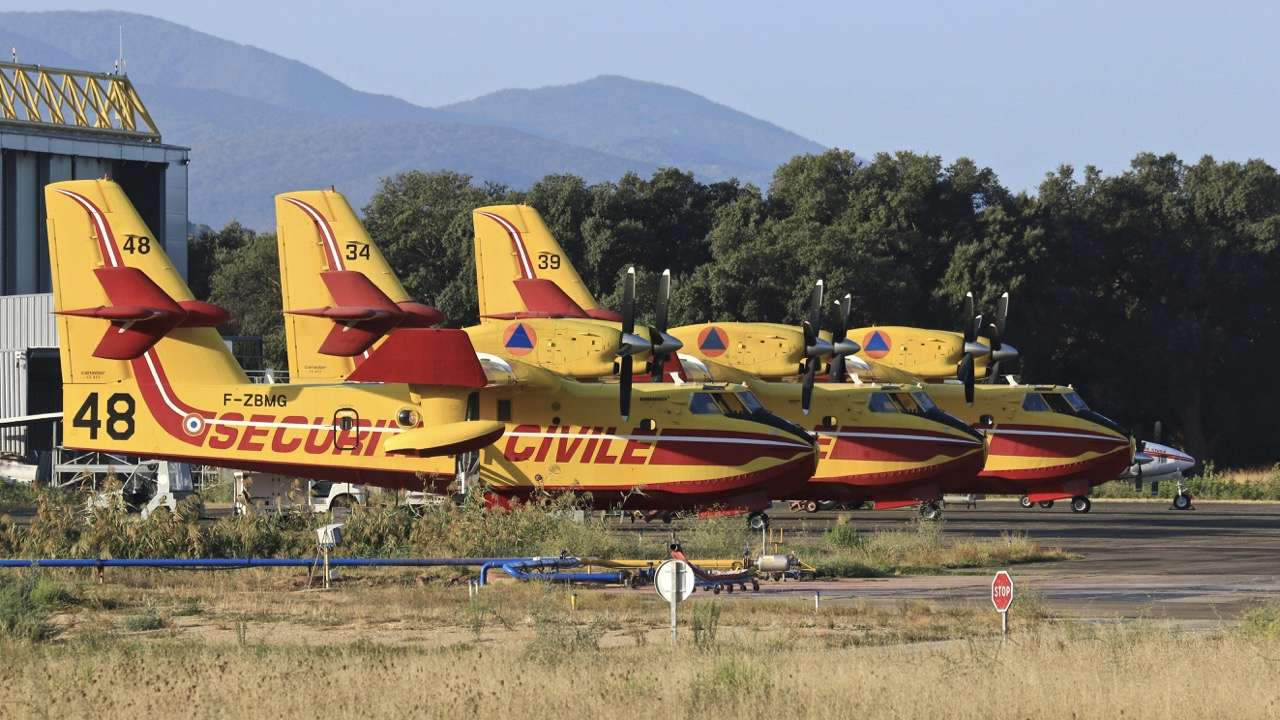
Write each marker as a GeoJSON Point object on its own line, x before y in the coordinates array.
{"type": "Point", "coordinates": [815, 348]}
{"type": "Point", "coordinates": [972, 348]}
{"type": "Point", "coordinates": [630, 344]}
{"type": "Point", "coordinates": [664, 345]}
{"type": "Point", "coordinates": [964, 371]}
{"type": "Point", "coordinates": [842, 346]}
{"type": "Point", "coordinates": [1000, 350]}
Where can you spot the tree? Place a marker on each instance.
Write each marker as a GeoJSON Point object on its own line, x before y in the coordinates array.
{"type": "Point", "coordinates": [422, 223]}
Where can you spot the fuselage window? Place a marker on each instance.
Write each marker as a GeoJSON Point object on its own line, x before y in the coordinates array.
{"type": "Point", "coordinates": [882, 403]}
{"type": "Point", "coordinates": [751, 401]}
{"type": "Point", "coordinates": [704, 404]}
{"type": "Point", "coordinates": [1034, 402]}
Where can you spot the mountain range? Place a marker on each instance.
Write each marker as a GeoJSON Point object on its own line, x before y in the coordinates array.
{"type": "Point", "coordinates": [259, 124]}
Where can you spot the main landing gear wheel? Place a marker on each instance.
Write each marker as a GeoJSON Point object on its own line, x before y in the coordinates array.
{"type": "Point", "coordinates": [1046, 504]}
{"type": "Point", "coordinates": [811, 506]}
{"type": "Point", "coordinates": [1025, 502]}
{"type": "Point", "coordinates": [930, 510]}
{"type": "Point", "coordinates": [758, 521]}
{"type": "Point", "coordinates": [1182, 501]}
{"type": "Point", "coordinates": [1080, 504]}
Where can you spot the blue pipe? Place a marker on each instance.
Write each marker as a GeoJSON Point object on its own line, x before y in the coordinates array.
{"type": "Point", "coordinates": [556, 562]}
{"type": "Point", "coordinates": [519, 570]}
{"type": "Point", "coordinates": [246, 562]}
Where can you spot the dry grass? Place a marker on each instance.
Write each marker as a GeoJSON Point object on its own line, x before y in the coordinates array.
{"type": "Point", "coordinates": [383, 646]}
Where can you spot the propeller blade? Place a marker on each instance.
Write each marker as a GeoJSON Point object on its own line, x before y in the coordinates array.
{"type": "Point", "coordinates": [663, 344]}
{"type": "Point", "coordinates": [1002, 316]}
{"type": "Point", "coordinates": [964, 371]}
{"type": "Point", "coordinates": [993, 372]}
{"type": "Point", "coordinates": [810, 335]}
{"type": "Point", "coordinates": [629, 302]}
{"type": "Point", "coordinates": [966, 320]}
{"type": "Point", "coordinates": [624, 387]}
{"type": "Point", "coordinates": [1156, 431]}
{"type": "Point", "coordinates": [806, 390]}
{"type": "Point", "coordinates": [815, 305]}
{"type": "Point", "coordinates": [664, 299]}
{"type": "Point", "coordinates": [841, 346]}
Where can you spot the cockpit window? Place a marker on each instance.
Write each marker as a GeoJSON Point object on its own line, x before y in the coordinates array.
{"type": "Point", "coordinates": [704, 404]}
{"type": "Point", "coordinates": [730, 403]}
{"type": "Point", "coordinates": [908, 404]}
{"type": "Point", "coordinates": [1059, 403]}
{"type": "Point", "coordinates": [924, 401]}
{"type": "Point", "coordinates": [1077, 402]}
{"type": "Point", "coordinates": [751, 402]}
{"type": "Point", "coordinates": [882, 403]}
{"type": "Point", "coordinates": [1034, 402]}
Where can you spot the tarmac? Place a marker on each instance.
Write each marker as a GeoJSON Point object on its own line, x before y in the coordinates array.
{"type": "Point", "coordinates": [1132, 559]}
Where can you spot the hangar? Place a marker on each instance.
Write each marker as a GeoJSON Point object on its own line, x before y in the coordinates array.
{"type": "Point", "coordinates": [61, 124]}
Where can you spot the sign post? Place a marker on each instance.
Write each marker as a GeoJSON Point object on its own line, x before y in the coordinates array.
{"type": "Point", "coordinates": [674, 582]}
{"type": "Point", "coordinates": [1002, 598]}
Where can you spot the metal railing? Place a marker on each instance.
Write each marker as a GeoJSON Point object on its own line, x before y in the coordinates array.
{"type": "Point", "coordinates": [76, 100]}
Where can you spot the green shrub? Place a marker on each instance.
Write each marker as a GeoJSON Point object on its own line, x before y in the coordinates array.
{"type": "Point", "coordinates": [844, 535]}
{"type": "Point", "coordinates": [148, 619]}
{"type": "Point", "coordinates": [731, 684]}
{"type": "Point", "coordinates": [704, 622]}
{"type": "Point", "coordinates": [1262, 621]}
{"type": "Point", "coordinates": [22, 616]}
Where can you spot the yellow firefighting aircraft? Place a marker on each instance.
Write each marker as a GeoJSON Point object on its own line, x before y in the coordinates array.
{"type": "Point", "coordinates": [1044, 443]}
{"type": "Point", "coordinates": [884, 443]}
{"type": "Point", "coordinates": [691, 446]}
{"type": "Point", "coordinates": [145, 373]}
{"type": "Point", "coordinates": [934, 355]}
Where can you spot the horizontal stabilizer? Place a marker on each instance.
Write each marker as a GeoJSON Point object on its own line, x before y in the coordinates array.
{"type": "Point", "coordinates": [141, 313]}
{"type": "Point", "coordinates": [544, 296]}
{"type": "Point", "coordinates": [448, 439]}
{"type": "Point", "coordinates": [424, 356]}
{"type": "Point", "coordinates": [363, 313]}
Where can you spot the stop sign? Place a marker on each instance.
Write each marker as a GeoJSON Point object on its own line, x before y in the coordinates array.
{"type": "Point", "coordinates": [1002, 591]}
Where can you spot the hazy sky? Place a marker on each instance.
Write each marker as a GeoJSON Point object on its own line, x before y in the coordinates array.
{"type": "Point", "coordinates": [1018, 85]}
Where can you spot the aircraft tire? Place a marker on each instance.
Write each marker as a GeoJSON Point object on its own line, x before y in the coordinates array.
{"type": "Point", "coordinates": [1182, 501]}
{"type": "Point", "coordinates": [1025, 502]}
{"type": "Point", "coordinates": [1080, 504]}
{"type": "Point", "coordinates": [758, 520]}
{"type": "Point", "coordinates": [1045, 504]}
{"type": "Point", "coordinates": [930, 510]}
{"type": "Point", "coordinates": [811, 507]}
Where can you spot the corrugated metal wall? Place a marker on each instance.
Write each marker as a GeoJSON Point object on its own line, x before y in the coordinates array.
{"type": "Point", "coordinates": [27, 321]}
{"type": "Point", "coordinates": [13, 400]}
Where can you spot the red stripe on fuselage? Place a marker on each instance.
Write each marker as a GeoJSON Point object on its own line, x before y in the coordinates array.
{"type": "Point", "coordinates": [1042, 441]}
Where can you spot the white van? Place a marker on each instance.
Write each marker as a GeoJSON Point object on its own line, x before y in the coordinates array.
{"type": "Point", "coordinates": [266, 492]}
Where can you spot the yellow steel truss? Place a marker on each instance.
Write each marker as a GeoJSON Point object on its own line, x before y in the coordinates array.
{"type": "Point", "coordinates": [73, 100]}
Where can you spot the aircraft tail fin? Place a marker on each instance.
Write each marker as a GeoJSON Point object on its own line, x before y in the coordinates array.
{"type": "Point", "coordinates": [340, 294]}
{"type": "Point", "coordinates": [521, 271]}
{"type": "Point", "coordinates": [349, 318]}
{"type": "Point", "coordinates": [107, 265]}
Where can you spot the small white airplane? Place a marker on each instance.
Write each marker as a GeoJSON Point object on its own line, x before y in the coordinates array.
{"type": "Point", "coordinates": [1155, 462]}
